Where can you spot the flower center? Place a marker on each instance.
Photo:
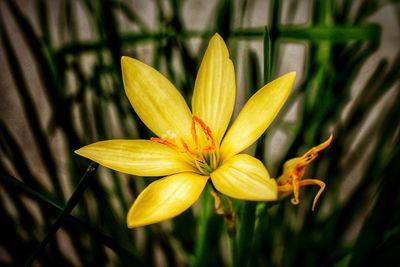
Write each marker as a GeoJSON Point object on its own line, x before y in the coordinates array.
{"type": "Point", "coordinates": [203, 155]}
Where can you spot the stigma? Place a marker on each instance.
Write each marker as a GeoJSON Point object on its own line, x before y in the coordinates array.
{"type": "Point", "coordinates": [293, 171]}
{"type": "Point", "coordinates": [201, 152]}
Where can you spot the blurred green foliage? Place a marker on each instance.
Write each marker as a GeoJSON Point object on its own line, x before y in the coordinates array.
{"type": "Point", "coordinates": [357, 222]}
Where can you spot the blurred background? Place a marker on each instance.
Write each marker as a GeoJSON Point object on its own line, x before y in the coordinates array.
{"type": "Point", "coordinates": [61, 88]}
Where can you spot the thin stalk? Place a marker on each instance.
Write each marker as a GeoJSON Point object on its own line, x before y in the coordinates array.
{"type": "Point", "coordinates": [245, 233]}
{"type": "Point", "coordinates": [202, 228]}
{"type": "Point", "coordinates": [20, 187]}
{"type": "Point", "coordinates": [233, 251]}
{"type": "Point", "coordinates": [72, 202]}
{"type": "Point", "coordinates": [267, 56]}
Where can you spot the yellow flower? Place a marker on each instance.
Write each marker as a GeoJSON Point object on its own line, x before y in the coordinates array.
{"type": "Point", "coordinates": [192, 147]}
{"type": "Point", "coordinates": [293, 172]}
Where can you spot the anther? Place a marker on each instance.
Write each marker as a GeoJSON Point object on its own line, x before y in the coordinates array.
{"type": "Point", "coordinates": [194, 134]}
{"type": "Point", "coordinates": [192, 154]}
{"type": "Point", "coordinates": [207, 132]}
{"type": "Point", "coordinates": [166, 142]}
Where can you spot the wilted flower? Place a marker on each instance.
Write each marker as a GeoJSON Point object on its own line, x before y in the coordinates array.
{"type": "Point", "coordinates": [293, 171]}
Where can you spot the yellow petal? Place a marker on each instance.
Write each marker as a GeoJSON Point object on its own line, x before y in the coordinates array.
{"type": "Point", "coordinates": [256, 115]}
{"type": "Point", "coordinates": [214, 90]}
{"type": "Point", "coordinates": [166, 198]}
{"type": "Point", "coordinates": [244, 177]}
{"type": "Point", "coordinates": [136, 157]}
{"type": "Point", "coordinates": [155, 99]}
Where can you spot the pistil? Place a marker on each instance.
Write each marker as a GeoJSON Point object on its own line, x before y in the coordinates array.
{"type": "Point", "coordinates": [203, 156]}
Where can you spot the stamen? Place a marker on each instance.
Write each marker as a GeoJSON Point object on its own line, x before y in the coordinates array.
{"type": "Point", "coordinates": [214, 160]}
{"type": "Point", "coordinates": [207, 132]}
{"type": "Point", "coordinates": [192, 154]}
{"type": "Point", "coordinates": [201, 167]}
{"type": "Point", "coordinates": [194, 134]}
{"type": "Point", "coordinates": [201, 154]}
{"type": "Point", "coordinates": [166, 142]}
{"type": "Point", "coordinates": [209, 148]}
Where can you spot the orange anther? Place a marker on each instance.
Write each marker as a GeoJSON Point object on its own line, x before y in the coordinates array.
{"type": "Point", "coordinates": [166, 142]}
{"type": "Point", "coordinates": [191, 153]}
{"type": "Point", "coordinates": [209, 148]}
{"type": "Point", "coordinates": [207, 132]}
{"type": "Point", "coordinates": [195, 153]}
{"type": "Point", "coordinates": [194, 134]}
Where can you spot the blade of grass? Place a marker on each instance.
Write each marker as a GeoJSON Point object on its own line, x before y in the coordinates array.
{"type": "Point", "coordinates": [39, 135]}
{"type": "Point", "coordinates": [70, 205]}
{"type": "Point", "coordinates": [18, 186]}
{"type": "Point", "coordinates": [379, 218]}
{"type": "Point", "coordinates": [42, 13]}
{"type": "Point", "coordinates": [267, 56]}
{"type": "Point", "coordinates": [12, 151]}
{"type": "Point", "coordinates": [224, 18]}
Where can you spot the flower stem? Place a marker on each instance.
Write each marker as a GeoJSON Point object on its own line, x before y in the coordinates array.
{"type": "Point", "coordinates": [246, 232]}
{"type": "Point", "coordinates": [233, 248]}
{"type": "Point", "coordinates": [202, 227]}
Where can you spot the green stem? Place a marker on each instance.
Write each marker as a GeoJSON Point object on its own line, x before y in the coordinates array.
{"type": "Point", "coordinates": [260, 234]}
{"type": "Point", "coordinates": [246, 231]}
{"type": "Point", "coordinates": [202, 227]}
{"type": "Point", "coordinates": [72, 202]}
{"type": "Point", "coordinates": [233, 249]}
{"type": "Point", "coordinates": [267, 56]}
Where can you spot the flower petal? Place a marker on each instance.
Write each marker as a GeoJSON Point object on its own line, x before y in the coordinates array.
{"type": "Point", "coordinates": [136, 157]}
{"type": "Point", "coordinates": [256, 115]}
{"type": "Point", "coordinates": [215, 90]}
{"type": "Point", "coordinates": [155, 99]}
{"type": "Point", "coordinates": [245, 177]}
{"type": "Point", "coordinates": [166, 198]}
